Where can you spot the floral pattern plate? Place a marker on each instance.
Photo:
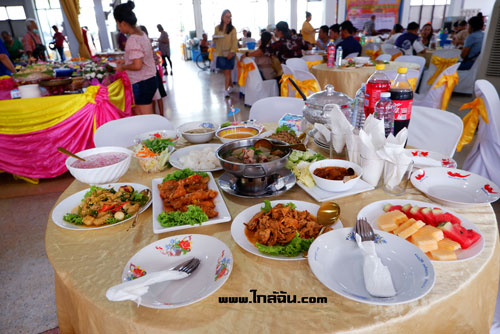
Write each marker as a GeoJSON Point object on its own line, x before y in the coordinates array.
{"type": "Point", "coordinates": [214, 269]}
{"type": "Point", "coordinates": [337, 262]}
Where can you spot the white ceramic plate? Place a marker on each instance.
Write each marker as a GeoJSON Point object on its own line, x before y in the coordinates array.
{"type": "Point", "coordinates": [455, 187]}
{"type": "Point", "coordinates": [321, 195]}
{"type": "Point", "coordinates": [238, 227]}
{"type": "Point", "coordinates": [74, 200]}
{"type": "Point", "coordinates": [422, 159]}
{"type": "Point", "coordinates": [175, 157]}
{"type": "Point", "coordinates": [220, 207]}
{"type": "Point", "coordinates": [375, 209]}
{"type": "Point", "coordinates": [336, 260]}
{"type": "Point", "coordinates": [214, 269]}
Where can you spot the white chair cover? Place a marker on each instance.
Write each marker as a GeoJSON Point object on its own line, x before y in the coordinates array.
{"type": "Point", "coordinates": [443, 53]}
{"type": "Point", "coordinates": [434, 130]}
{"type": "Point", "coordinates": [390, 49]}
{"type": "Point", "coordinates": [255, 87]}
{"type": "Point", "coordinates": [306, 75]}
{"type": "Point", "coordinates": [467, 78]}
{"type": "Point", "coordinates": [312, 57]}
{"type": "Point", "coordinates": [121, 132]}
{"type": "Point", "coordinates": [384, 57]}
{"type": "Point", "coordinates": [484, 157]}
{"type": "Point", "coordinates": [352, 55]}
{"type": "Point", "coordinates": [297, 64]}
{"type": "Point", "coordinates": [271, 109]}
{"type": "Point", "coordinates": [420, 61]}
{"type": "Point", "coordinates": [433, 97]}
{"type": "Point", "coordinates": [288, 70]}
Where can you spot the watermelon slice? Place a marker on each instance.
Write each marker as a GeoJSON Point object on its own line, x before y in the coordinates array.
{"type": "Point", "coordinates": [395, 207]}
{"type": "Point", "coordinates": [447, 217]}
{"type": "Point", "coordinates": [415, 213]}
{"type": "Point", "coordinates": [406, 210]}
{"type": "Point", "coordinates": [428, 216]}
{"type": "Point", "coordinates": [458, 233]}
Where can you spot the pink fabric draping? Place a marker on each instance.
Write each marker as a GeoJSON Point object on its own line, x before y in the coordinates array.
{"type": "Point", "coordinates": [35, 154]}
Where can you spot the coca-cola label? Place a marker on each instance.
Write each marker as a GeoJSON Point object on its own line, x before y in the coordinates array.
{"type": "Point", "coordinates": [403, 110]}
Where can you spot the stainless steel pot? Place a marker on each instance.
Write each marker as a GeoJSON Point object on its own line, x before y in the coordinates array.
{"type": "Point", "coordinates": [250, 170]}
{"type": "Point", "coordinates": [319, 105]}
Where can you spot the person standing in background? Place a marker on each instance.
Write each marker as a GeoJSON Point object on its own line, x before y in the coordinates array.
{"type": "Point", "coordinates": [164, 44]}
{"type": "Point", "coordinates": [138, 60]}
{"type": "Point", "coordinates": [14, 46]}
{"type": "Point", "coordinates": [32, 42]}
{"type": "Point", "coordinates": [308, 32]}
{"type": "Point", "coordinates": [6, 66]}
{"type": "Point", "coordinates": [334, 33]}
{"type": "Point", "coordinates": [322, 38]}
{"type": "Point", "coordinates": [369, 27]}
{"type": "Point", "coordinates": [226, 46]}
{"type": "Point", "coordinates": [59, 42]}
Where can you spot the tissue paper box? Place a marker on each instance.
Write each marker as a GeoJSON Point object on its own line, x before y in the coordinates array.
{"type": "Point", "coordinates": [293, 122]}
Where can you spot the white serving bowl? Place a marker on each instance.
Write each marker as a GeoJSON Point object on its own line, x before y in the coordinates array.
{"type": "Point", "coordinates": [331, 185]}
{"type": "Point", "coordinates": [100, 175]}
{"type": "Point", "coordinates": [254, 132]}
{"type": "Point", "coordinates": [30, 91]}
{"type": "Point", "coordinates": [361, 60]}
{"type": "Point", "coordinates": [172, 134]}
{"type": "Point", "coordinates": [197, 138]}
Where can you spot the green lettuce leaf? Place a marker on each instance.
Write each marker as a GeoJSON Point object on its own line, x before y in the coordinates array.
{"type": "Point", "coordinates": [193, 215]}
{"type": "Point", "coordinates": [291, 249]}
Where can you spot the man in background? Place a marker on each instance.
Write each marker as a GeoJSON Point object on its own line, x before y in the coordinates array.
{"type": "Point", "coordinates": [349, 44]}
{"type": "Point", "coordinates": [323, 39]}
{"type": "Point", "coordinates": [59, 42]}
{"type": "Point", "coordinates": [369, 27]}
{"type": "Point", "coordinates": [334, 33]}
{"type": "Point", "coordinates": [408, 41]}
{"type": "Point", "coordinates": [164, 44]}
{"type": "Point", "coordinates": [397, 30]}
{"type": "Point", "coordinates": [6, 66]}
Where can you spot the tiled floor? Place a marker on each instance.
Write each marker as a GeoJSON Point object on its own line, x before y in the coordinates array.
{"type": "Point", "coordinates": [27, 294]}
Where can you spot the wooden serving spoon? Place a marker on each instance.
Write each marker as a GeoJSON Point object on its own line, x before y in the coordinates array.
{"type": "Point", "coordinates": [65, 151]}
{"type": "Point", "coordinates": [270, 145]}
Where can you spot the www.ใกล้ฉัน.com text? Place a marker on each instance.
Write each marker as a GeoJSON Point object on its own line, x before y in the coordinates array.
{"type": "Point", "coordinates": [281, 297]}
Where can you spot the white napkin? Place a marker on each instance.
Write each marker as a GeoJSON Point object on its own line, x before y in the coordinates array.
{"type": "Point", "coordinates": [393, 151]}
{"type": "Point", "coordinates": [339, 126]}
{"type": "Point", "coordinates": [422, 162]}
{"type": "Point", "coordinates": [378, 280]}
{"type": "Point", "coordinates": [323, 134]}
{"type": "Point", "coordinates": [135, 289]}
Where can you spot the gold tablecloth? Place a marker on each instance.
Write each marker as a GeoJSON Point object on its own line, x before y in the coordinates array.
{"type": "Point", "coordinates": [428, 56]}
{"type": "Point", "coordinates": [349, 79]}
{"type": "Point", "coordinates": [87, 263]}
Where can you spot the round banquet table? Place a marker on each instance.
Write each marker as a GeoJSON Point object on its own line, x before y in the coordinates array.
{"type": "Point", "coordinates": [87, 263]}
{"type": "Point", "coordinates": [428, 56]}
{"type": "Point", "coordinates": [348, 79]}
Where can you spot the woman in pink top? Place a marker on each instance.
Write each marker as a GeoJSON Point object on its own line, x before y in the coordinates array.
{"type": "Point", "coordinates": [139, 62]}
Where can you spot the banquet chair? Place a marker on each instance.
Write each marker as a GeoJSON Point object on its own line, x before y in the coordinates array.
{"type": "Point", "coordinates": [484, 157]}
{"type": "Point", "coordinates": [121, 132]}
{"type": "Point", "coordinates": [384, 57]}
{"type": "Point", "coordinates": [442, 53]}
{"type": "Point", "coordinates": [288, 71]}
{"type": "Point", "coordinates": [306, 75]}
{"type": "Point", "coordinates": [297, 64]}
{"type": "Point", "coordinates": [420, 61]}
{"type": "Point", "coordinates": [389, 49]}
{"type": "Point", "coordinates": [410, 74]}
{"type": "Point", "coordinates": [434, 130]}
{"type": "Point", "coordinates": [271, 109]}
{"type": "Point", "coordinates": [466, 78]}
{"type": "Point", "coordinates": [433, 98]}
{"type": "Point", "coordinates": [312, 57]}
{"type": "Point", "coordinates": [352, 55]}
{"type": "Point", "coordinates": [255, 87]}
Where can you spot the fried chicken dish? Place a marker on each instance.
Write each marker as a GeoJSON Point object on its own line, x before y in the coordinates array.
{"type": "Point", "coordinates": [281, 224]}
{"type": "Point", "coordinates": [192, 190]}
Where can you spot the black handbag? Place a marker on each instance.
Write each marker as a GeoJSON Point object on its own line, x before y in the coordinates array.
{"type": "Point", "coordinates": [40, 49]}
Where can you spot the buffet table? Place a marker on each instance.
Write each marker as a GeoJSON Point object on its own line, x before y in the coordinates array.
{"type": "Point", "coordinates": [87, 263]}
{"type": "Point", "coordinates": [348, 79]}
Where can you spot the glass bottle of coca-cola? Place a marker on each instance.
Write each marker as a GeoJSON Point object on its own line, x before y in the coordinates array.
{"type": "Point", "coordinates": [402, 96]}
{"type": "Point", "coordinates": [376, 84]}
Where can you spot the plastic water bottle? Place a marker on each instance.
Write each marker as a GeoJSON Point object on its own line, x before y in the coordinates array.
{"type": "Point", "coordinates": [384, 109]}
{"type": "Point", "coordinates": [358, 113]}
{"type": "Point", "coordinates": [330, 50]}
{"type": "Point", "coordinates": [338, 57]}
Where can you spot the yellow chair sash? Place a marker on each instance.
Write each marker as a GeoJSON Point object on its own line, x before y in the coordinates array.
{"type": "Point", "coordinates": [313, 63]}
{"type": "Point", "coordinates": [396, 55]}
{"type": "Point", "coordinates": [471, 120]}
{"type": "Point", "coordinates": [412, 81]}
{"type": "Point", "coordinates": [284, 84]}
{"type": "Point", "coordinates": [245, 68]}
{"type": "Point", "coordinates": [211, 53]}
{"type": "Point", "coordinates": [441, 65]}
{"type": "Point", "coordinates": [373, 54]}
{"type": "Point", "coordinates": [306, 86]}
{"type": "Point", "coordinates": [450, 81]}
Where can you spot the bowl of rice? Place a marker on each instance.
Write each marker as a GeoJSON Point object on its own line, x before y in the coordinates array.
{"type": "Point", "coordinates": [199, 158]}
{"type": "Point", "coordinates": [153, 149]}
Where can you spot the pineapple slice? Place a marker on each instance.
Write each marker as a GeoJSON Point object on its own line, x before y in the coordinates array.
{"type": "Point", "coordinates": [407, 229]}
{"type": "Point", "coordinates": [434, 232]}
{"type": "Point", "coordinates": [443, 255]}
{"type": "Point", "coordinates": [390, 221]}
{"type": "Point", "coordinates": [448, 244]}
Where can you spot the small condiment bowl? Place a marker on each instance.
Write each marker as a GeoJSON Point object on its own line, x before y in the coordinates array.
{"type": "Point", "coordinates": [332, 185]}
{"type": "Point", "coordinates": [100, 175]}
{"type": "Point", "coordinates": [197, 138]}
{"type": "Point", "coordinates": [246, 132]}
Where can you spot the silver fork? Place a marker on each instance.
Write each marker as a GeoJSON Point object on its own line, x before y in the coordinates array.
{"type": "Point", "coordinates": [188, 267]}
{"type": "Point", "coordinates": [364, 229]}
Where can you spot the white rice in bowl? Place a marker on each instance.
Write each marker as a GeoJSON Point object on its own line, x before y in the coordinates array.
{"type": "Point", "coordinates": [203, 159]}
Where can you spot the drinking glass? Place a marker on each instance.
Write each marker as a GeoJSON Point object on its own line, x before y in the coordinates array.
{"type": "Point", "coordinates": [396, 177]}
{"type": "Point", "coordinates": [372, 169]}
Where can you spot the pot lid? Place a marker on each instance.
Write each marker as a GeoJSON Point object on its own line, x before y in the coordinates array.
{"type": "Point", "coordinates": [328, 96]}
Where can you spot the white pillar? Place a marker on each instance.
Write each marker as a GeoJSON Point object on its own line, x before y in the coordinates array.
{"type": "Point", "coordinates": [101, 23]}
{"type": "Point", "coordinates": [455, 7]}
{"type": "Point", "coordinates": [341, 11]}
{"type": "Point", "coordinates": [72, 42]}
{"type": "Point", "coordinates": [293, 14]}
{"type": "Point", "coordinates": [198, 23]}
{"type": "Point", "coordinates": [405, 13]}
{"type": "Point", "coordinates": [329, 9]}
{"type": "Point", "coordinates": [270, 11]}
